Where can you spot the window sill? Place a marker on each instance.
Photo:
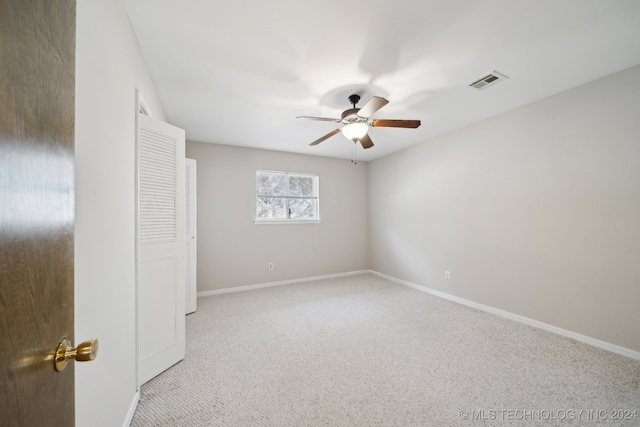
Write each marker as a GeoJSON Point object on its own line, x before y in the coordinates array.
{"type": "Point", "coordinates": [279, 221]}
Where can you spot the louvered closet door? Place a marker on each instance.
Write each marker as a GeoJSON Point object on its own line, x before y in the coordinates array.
{"type": "Point", "coordinates": [161, 246]}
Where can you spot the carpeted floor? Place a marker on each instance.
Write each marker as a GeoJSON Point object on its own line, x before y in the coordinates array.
{"type": "Point", "coordinates": [364, 351]}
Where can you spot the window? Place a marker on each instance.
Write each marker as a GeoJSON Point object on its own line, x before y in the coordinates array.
{"type": "Point", "coordinates": [286, 197]}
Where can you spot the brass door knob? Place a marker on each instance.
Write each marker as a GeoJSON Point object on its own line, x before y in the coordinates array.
{"type": "Point", "coordinates": [85, 352]}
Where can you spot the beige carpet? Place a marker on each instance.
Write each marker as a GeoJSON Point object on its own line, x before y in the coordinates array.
{"type": "Point", "coordinates": [364, 351]}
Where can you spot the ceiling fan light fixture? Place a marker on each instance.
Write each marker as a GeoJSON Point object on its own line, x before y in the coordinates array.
{"type": "Point", "coordinates": [355, 131]}
{"type": "Point", "coordinates": [356, 121]}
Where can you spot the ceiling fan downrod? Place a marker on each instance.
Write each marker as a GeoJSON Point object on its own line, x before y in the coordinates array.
{"type": "Point", "coordinates": [354, 99]}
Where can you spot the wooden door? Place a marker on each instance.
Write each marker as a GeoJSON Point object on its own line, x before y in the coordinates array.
{"type": "Point", "coordinates": [190, 216]}
{"type": "Point", "coordinates": [37, 90]}
{"type": "Point", "coordinates": [161, 245]}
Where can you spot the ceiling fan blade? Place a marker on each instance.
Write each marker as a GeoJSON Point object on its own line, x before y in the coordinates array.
{"type": "Point", "coordinates": [327, 136]}
{"type": "Point", "coordinates": [395, 123]}
{"type": "Point", "coordinates": [372, 106]}
{"type": "Point", "coordinates": [324, 119]}
{"type": "Point", "coordinates": [366, 141]}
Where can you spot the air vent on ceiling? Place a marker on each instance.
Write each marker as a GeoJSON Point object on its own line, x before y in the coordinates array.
{"type": "Point", "coordinates": [488, 80]}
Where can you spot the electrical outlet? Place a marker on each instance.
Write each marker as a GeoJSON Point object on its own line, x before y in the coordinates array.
{"type": "Point", "coordinates": [447, 275]}
{"type": "Point", "coordinates": [270, 266]}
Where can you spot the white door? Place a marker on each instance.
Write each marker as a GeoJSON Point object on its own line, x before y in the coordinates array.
{"type": "Point", "coordinates": [161, 244]}
{"type": "Point", "coordinates": [191, 237]}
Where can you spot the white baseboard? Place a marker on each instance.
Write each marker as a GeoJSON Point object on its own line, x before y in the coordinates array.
{"type": "Point", "coordinates": [632, 354]}
{"type": "Point", "coordinates": [132, 409]}
{"type": "Point", "coordinates": [280, 283]}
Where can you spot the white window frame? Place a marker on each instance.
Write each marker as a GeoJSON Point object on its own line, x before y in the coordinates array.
{"type": "Point", "coordinates": [288, 220]}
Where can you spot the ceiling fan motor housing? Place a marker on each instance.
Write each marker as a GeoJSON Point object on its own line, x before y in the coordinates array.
{"type": "Point", "coordinates": [351, 116]}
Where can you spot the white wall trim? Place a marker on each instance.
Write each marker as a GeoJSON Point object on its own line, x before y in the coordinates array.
{"type": "Point", "coordinates": [132, 409]}
{"type": "Point", "coordinates": [280, 283]}
{"type": "Point", "coordinates": [632, 354]}
{"type": "Point", "coordinates": [287, 222]}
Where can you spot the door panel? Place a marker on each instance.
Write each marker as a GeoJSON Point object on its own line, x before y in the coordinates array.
{"type": "Point", "coordinates": [37, 90]}
{"type": "Point", "coordinates": [190, 236]}
{"type": "Point", "coordinates": [161, 245]}
{"type": "Point", "coordinates": [160, 331]}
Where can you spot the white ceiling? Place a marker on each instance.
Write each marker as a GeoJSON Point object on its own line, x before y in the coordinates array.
{"type": "Point", "coordinates": [238, 72]}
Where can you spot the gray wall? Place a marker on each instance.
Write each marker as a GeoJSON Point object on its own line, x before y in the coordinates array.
{"type": "Point", "coordinates": [233, 251]}
{"type": "Point", "coordinates": [535, 211]}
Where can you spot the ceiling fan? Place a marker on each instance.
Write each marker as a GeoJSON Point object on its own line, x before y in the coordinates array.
{"type": "Point", "coordinates": [356, 121]}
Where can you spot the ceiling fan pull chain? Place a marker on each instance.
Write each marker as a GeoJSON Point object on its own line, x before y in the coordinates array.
{"type": "Point", "coordinates": [355, 153]}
